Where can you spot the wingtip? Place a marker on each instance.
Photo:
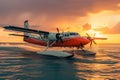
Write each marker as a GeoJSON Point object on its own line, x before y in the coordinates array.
{"type": "Point", "coordinates": [5, 27]}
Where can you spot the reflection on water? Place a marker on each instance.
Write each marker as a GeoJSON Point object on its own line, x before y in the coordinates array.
{"type": "Point", "coordinates": [22, 63]}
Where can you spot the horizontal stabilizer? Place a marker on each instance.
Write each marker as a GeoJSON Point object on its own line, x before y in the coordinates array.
{"type": "Point", "coordinates": [25, 30]}
{"type": "Point", "coordinates": [18, 35]}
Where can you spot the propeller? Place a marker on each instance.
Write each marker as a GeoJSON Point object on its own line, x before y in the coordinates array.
{"type": "Point", "coordinates": [59, 36]}
{"type": "Point", "coordinates": [91, 39]}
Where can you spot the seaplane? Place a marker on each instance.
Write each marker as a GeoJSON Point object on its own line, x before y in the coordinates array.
{"type": "Point", "coordinates": [51, 39]}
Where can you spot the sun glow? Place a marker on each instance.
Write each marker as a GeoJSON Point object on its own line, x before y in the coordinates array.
{"type": "Point", "coordinates": [104, 19]}
{"type": "Point", "coordinates": [94, 33]}
{"type": "Point", "coordinates": [103, 22]}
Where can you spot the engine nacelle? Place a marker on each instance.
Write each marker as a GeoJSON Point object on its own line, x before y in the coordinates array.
{"type": "Point", "coordinates": [52, 37]}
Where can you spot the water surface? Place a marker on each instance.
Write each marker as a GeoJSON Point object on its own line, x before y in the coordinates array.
{"type": "Point", "coordinates": [22, 63]}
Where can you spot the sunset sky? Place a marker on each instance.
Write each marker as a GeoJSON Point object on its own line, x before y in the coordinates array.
{"type": "Point", "coordinates": [83, 16]}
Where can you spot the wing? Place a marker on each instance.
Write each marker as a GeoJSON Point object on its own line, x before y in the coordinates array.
{"type": "Point", "coordinates": [100, 38]}
{"type": "Point", "coordinates": [14, 28]}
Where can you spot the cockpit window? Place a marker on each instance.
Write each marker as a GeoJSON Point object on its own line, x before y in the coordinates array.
{"type": "Point", "coordinates": [73, 33]}
{"type": "Point", "coordinates": [70, 34]}
{"type": "Point", "coordinates": [66, 35]}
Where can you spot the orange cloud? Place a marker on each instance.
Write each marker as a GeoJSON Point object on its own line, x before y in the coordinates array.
{"type": "Point", "coordinates": [107, 30]}
{"type": "Point", "coordinates": [116, 29]}
{"type": "Point", "coordinates": [86, 26]}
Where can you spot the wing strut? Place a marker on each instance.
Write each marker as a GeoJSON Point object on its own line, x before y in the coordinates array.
{"type": "Point", "coordinates": [49, 45]}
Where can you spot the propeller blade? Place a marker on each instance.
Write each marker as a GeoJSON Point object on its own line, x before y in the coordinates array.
{"type": "Point", "coordinates": [90, 43]}
{"type": "Point", "coordinates": [94, 42]}
{"type": "Point", "coordinates": [61, 40]}
{"type": "Point", "coordinates": [58, 30]}
{"type": "Point", "coordinates": [87, 34]}
{"type": "Point", "coordinates": [94, 34]}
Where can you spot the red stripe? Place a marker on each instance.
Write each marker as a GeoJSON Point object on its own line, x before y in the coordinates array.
{"type": "Point", "coordinates": [69, 42]}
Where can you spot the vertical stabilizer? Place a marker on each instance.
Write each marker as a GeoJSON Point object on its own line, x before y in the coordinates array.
{"type": "Point", "coordinates": [26, 25]}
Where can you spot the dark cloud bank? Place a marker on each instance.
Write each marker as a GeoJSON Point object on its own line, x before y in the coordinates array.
{"type": "Point", "coordinates": [51, 11]}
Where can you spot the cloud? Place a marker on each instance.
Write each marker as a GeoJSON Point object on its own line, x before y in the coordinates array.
{"type": "Point", "coordinates": [51, 12]}
{"type": "Point", "coordinates": [86, 27]}
{"type": "Point", "coordinates": [106, 30]}
{"type": "Point", "coordinates": [115, 29]}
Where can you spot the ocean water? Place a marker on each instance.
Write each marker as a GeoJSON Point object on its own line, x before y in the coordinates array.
{"type": "Point", "coordinates": [20, 62]}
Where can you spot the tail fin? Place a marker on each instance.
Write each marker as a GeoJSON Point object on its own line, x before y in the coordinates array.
{"type": "Point", "coordinates": [26, 25]}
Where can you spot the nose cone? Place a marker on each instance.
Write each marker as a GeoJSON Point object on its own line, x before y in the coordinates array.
{"type": "Point", "coordinates": [83, 40]}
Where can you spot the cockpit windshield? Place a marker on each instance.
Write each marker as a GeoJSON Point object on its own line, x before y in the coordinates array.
{"type": "Point", "coordinates": [72, 33]}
